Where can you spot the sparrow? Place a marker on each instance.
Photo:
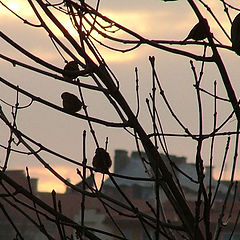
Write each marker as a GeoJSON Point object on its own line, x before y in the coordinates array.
{"type": "Point", "coordinates": [71, 103]}
{"type": "Point", "coordinates": [101, 161]}
{"type": "Point", "coordinates": [198, 32]}
{"type": "Point", "coordinates": [71, 70]}
{"type": "Point", "coordinates": [235, 34]}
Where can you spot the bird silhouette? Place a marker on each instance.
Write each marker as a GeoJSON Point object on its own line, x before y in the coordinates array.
{"type": "Point", "coordinates": [71, 103]}
{"type": "Point", "coordinates": [101, 161]}
{"type": "Point", "coordinates": [71, 70]}
{"type": "Point", "coordinates": [235, 34]}
{"type": "Point", "coordinates": [198, 32]}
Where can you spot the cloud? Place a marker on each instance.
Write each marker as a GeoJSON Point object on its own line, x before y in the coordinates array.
{"type": "Point", "coordinates": [143, 18]}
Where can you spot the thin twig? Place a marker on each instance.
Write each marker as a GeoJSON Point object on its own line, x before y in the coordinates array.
{"type": "Point", "coordinates": [221, 171]}
{"type": "Point", "coordinates": [84, 163]}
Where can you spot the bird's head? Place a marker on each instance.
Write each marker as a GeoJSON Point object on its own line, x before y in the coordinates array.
{"type": "Point", "coordinates": [65, 95]}
{"type": "Point", "coordinates": [99, 150]}
{"type": "Point", "coordinates": [71, 66]}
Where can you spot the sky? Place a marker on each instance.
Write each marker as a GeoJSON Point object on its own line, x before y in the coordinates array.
{"type": "Point", "coordinates": [153, 19]}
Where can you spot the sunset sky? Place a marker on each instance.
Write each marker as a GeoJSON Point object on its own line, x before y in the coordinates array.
{"type": "Point", "coordinates": [153, 19]}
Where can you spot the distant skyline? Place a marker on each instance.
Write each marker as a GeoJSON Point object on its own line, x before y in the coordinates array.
{"type": "Point", "coordinates": [153, 19]}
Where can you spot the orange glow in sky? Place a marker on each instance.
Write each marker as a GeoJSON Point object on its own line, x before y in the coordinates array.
{"type": "Point", "coordinates": [20, 7]}
{"type": "Point", "coordinates": [14, 5]}
{"type": "Point", "coordinates": [48, 182]}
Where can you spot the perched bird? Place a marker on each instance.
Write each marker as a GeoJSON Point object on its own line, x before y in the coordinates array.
{"type": "Point", "coordinates": [71, 70]}
{"type": "Point", "coordinates": [101, 161]}
{"type": "Point", "coordinates": [198, 32]}
{"type": "Point", "coordinates": [71, 103]}
{"type": "Point", "coordinates": [235, 34]}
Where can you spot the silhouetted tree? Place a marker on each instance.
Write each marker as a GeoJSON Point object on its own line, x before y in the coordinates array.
{"type": "Point", "coordinates": [86, 61]}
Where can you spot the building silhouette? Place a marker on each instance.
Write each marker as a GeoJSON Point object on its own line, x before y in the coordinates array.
{"type": "Point", "coordinates": [139, 188]}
